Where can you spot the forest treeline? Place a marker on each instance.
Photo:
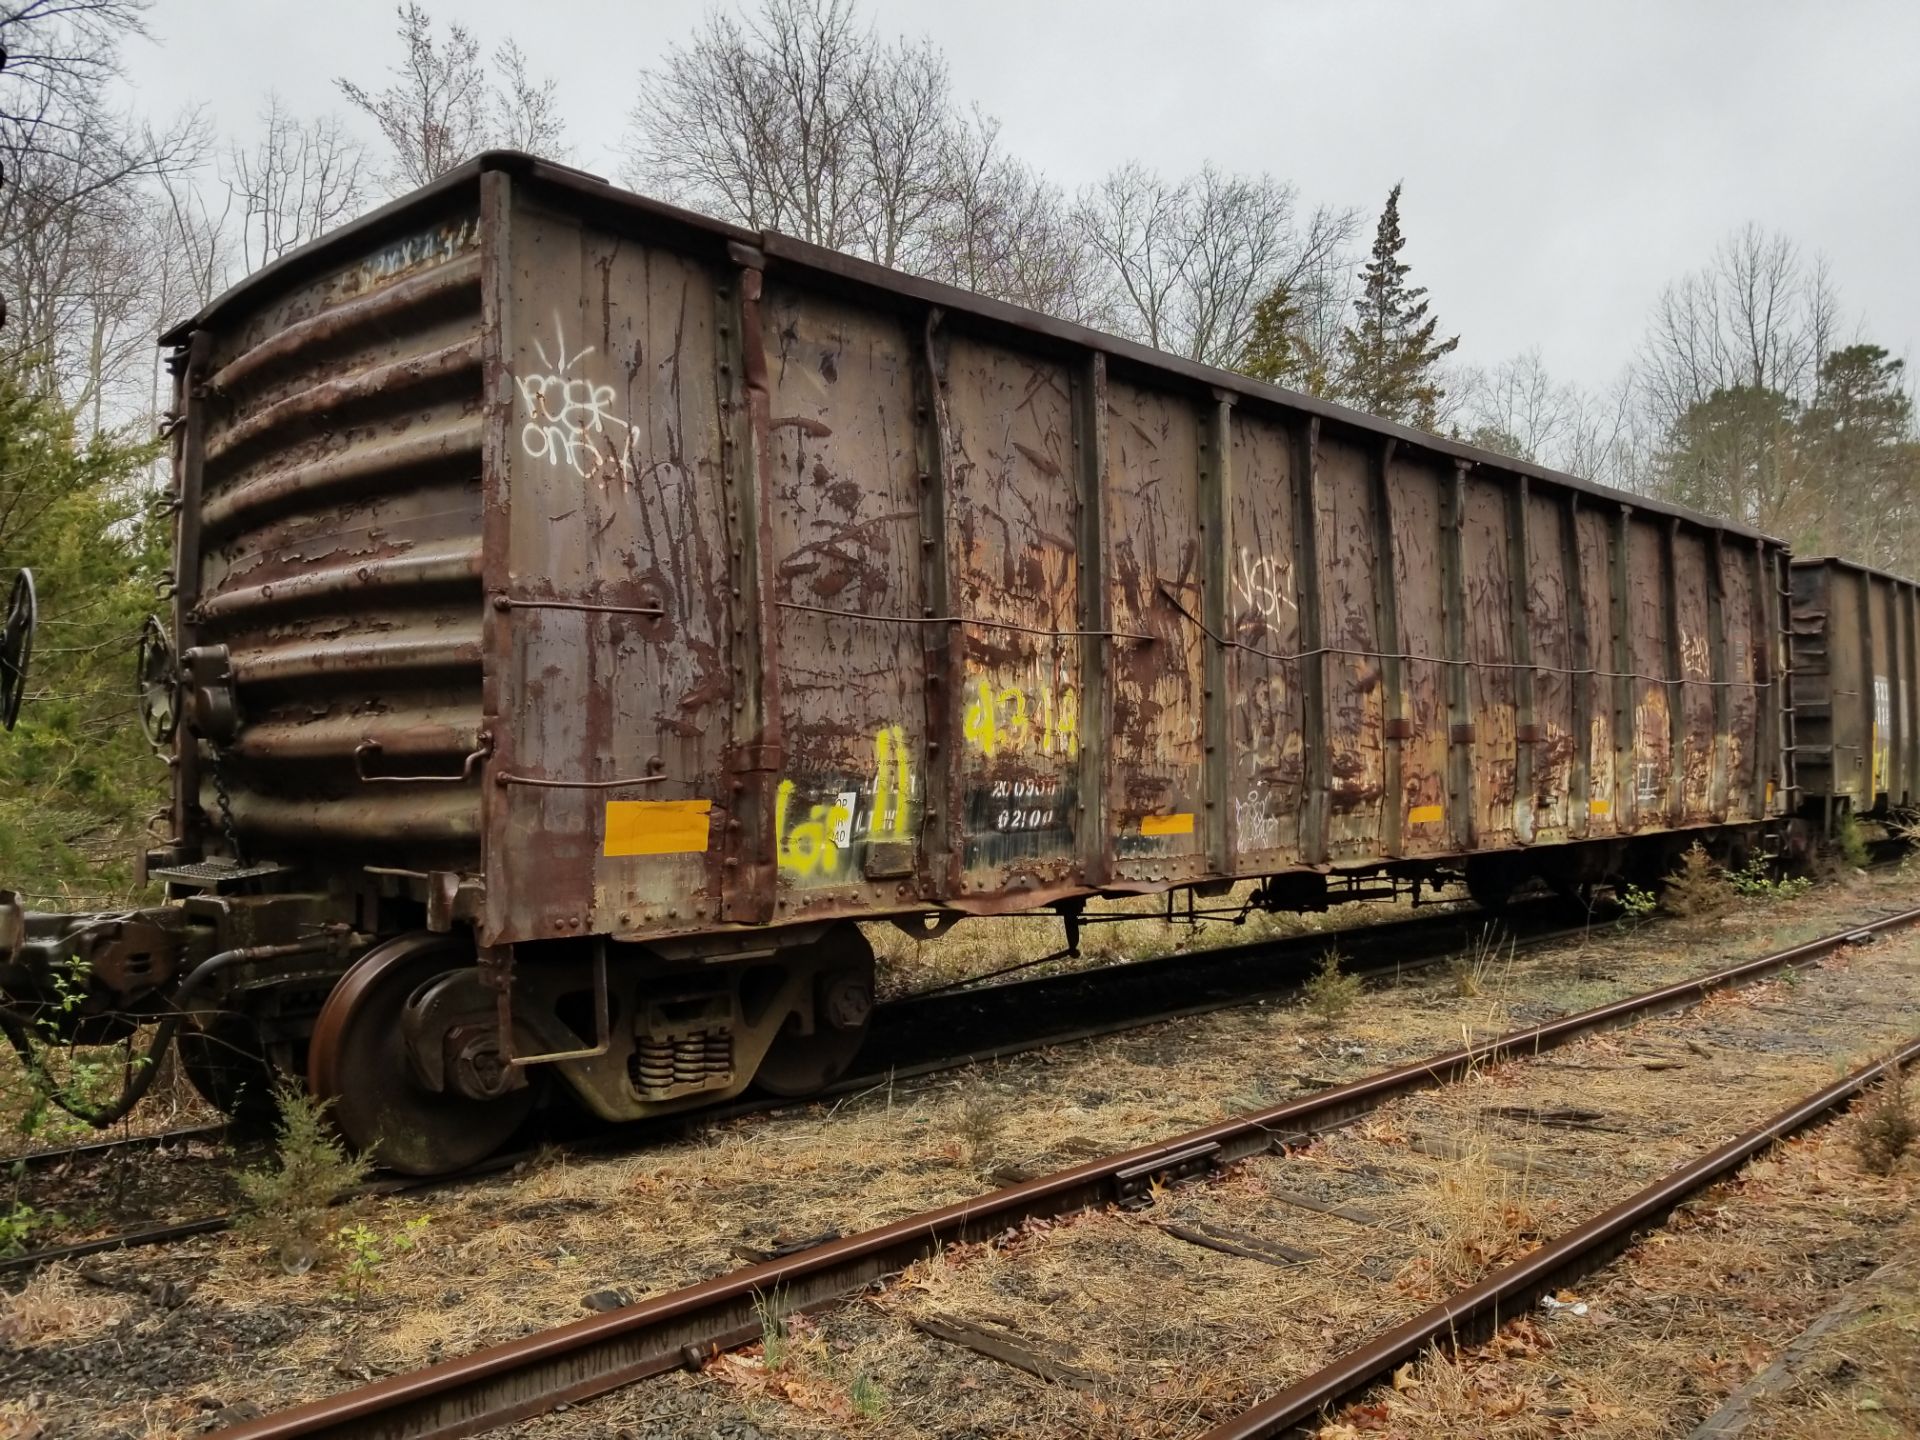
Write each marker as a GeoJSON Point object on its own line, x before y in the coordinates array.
{"type": "Point", "coordinates": [1753, 395]}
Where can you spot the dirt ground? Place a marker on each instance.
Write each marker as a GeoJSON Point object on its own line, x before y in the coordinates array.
{"type": "Point", "coordinates": [161, 1343]}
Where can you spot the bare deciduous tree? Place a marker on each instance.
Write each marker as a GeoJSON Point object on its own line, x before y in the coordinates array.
{"type": "Point", "coordinates": [760, 123]}
{"type": "Point", "coordinates": [797, 120]}
{"type": "Point", "coordinates": [297, 180]}
{"type": "Point", "coordinates": [1188, 263]}
{"type": "Point", "coordinates": [1516, 407]}
{"type": "Point", "coordinates": [1758, 315]}
{"type": "Point", "coordinates": [902, 126]}
{"type": "Point", "coordinates": [441, 108]}
{"type": "Point", "coordinates": [526, 112]}
{"type": "Point", "coordinates": [1002, 230]}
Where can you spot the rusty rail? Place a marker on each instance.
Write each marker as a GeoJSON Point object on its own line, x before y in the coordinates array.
{"type": "Point", "coordinates": [1475, 1311]}
{"type": "Point", "coordinates": [576, 1361]}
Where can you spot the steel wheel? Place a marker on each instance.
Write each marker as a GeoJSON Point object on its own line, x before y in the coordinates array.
{"type": "Point", "coordinates": [221, 1055]}
{"type": "Point", "coordinates": [358, 1060]}
{"type": "Point", "coordinates": [799, 1064]}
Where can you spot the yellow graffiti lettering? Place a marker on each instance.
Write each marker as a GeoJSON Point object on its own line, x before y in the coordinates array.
{"type": "Point", "coordinates": [813, 847]}
{"type": "Point", "coordinates": [890, 790]}
{"type": "Point", "coordinates": [1012, 718]}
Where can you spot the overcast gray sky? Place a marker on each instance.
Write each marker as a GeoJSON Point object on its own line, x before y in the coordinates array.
{"type": "Point", "coordinates": [1562, 161]}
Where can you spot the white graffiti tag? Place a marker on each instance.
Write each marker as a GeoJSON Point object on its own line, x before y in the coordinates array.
{"type": "Point", "coordinates": [1254, 822]}
{"type": "Point", "coordinates": [1263, 582]}
{"type": "Point", "coordinates": [568, 415]}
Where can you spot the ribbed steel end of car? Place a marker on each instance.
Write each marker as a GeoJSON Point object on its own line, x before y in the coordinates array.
{"type": "Point", "coordinates": [588, 611]}
{"type": "Point", "coordinates": [1856, 688]}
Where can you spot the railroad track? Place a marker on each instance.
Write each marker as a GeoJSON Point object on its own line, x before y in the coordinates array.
{"type": "Point", "coordinates": [689, 1327]}
{"type": "Point", "coordinates": [91, 1151]}
{"type": "Point", "coordinates": [915, 1036]}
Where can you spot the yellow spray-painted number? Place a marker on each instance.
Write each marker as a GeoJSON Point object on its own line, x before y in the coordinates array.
{"type": "Point", "coordinates": [998, 720]}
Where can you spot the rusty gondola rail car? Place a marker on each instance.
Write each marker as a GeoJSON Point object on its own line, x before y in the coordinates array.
{"type": "Point", "coordinates": [1855, 648]}
{"type": "Point", "coordinates": [596, 609]}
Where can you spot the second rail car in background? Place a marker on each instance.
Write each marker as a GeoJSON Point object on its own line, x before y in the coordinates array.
{"type": "Point", "coordinates": [588, 610]}
{"type": "Point", "coordinates": [1856, 689]}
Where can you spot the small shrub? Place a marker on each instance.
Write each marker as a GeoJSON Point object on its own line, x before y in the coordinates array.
{"type": "Point", "coordinates": [1331, 992]}
{"type": "Point", "coordinates": [367, 1250]}
{"type": "Point", "coordinates": [1887, 1128]}
{"type": "Point", "coordinates": [1851, 841]}
{"type": "Point", "coordinates": [980, 1124]}
{"type": "Point", "coordinates": [1696, 890]}
{"type": "Point", "coordinates": [18, 1221]}
{"type": "Point", "coordinates": [288, 1202]}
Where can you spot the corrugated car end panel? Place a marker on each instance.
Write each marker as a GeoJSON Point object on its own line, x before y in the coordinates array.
{"type": "Point", "coordinates": [611, 794]}
{"type": "Point", "coordinates": [339, 560]}
{"type": "Point", "coordinates": [1827, 763]}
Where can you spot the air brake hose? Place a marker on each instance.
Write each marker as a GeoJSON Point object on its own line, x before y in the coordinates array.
{"type": "Point", "coordinates": [20, 1036]}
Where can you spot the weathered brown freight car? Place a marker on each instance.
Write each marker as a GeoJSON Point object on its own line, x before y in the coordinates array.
{"type": "Point", "coordinates": [1856, 678]}
{"type": "Point", "coordinates": [587, 611]}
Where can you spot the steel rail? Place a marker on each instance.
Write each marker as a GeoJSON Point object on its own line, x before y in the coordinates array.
{"type": "Point", "coordinates": [1476, 1311]}
{"type": "Point", "coordinates": [573, 1362]}
{"type": "Point", "coordinates": [30, 1160]}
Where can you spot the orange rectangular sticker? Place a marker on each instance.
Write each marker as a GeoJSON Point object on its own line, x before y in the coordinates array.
{"type": "Point", "coordinates": [1424, 814]}
{"type": "Point", "coordinates": [1599, 807]}
{"type": "Point", "coordinates": [1167, 824]}
{"type": "Point", "coordinates": [657, 827]}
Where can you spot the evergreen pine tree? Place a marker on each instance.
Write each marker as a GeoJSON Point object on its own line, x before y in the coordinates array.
{"type": "Point", "coordinates": [1389, 355]}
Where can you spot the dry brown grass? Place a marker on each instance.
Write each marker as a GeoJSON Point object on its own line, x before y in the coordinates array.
{"type": "Point", "coordinates": [1484, 965]}
{"type": "Point", "coordinates": [1863, 1379]}
{"type": "Point", "coordinates": [1503, 1388]}
{"type": "Point", "coordinates": [1479, 1214]}
{"type": "Point", "coordinates": [55, 1307]}
{"type": "Point", "coordinates": [523, 1250]}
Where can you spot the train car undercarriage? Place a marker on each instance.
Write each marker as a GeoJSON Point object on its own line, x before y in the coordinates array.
{"type": "Point", "coordinates": [432, 1051]}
